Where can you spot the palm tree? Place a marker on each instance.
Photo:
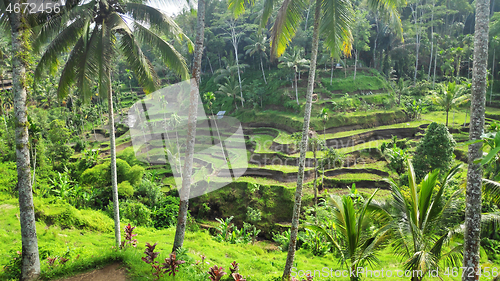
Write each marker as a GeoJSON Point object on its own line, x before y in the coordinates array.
{"type": "Point", "coordinates": [417, 223]}
{"type": "Point", "coordinates": [333, 18]}
{"type": "Point", "coordinates": [450, 97]}
{"type": "Point", "coordinates": [191, 128]}
{"type": "Point", "coordinates": [355, 242]}
{"type": "Point", "coordinates": [95, 31]}
{"type": "Point", "coordinates": [230, 88]}
{"type": "Point", "coordinates": [294, 62]}
{"type": "Point", "coordinates": [258, 45]}
{"type": "Point", "coordinates": [324, 115]}
{"type": "Point", "coordinates": [21, 45]}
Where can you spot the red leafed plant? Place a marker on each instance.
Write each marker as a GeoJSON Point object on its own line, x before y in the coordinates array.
{"type": "Point", "coordinates": [150, 257]}
{"type": "Point", "coordinates": [309, 278]}
{"type": "Point", "coordinates": [216, 273]}
{"type": "Point", "coordinates": [171, 264]}
{"type": "Point", "coordinates": [238, 277]}
{"type": "Point", "coordinates": [63, 260]}
{"type": "Point", "coordinates": [51, 261]}
{"type": "Point", "coordinates": [234, 267]}
{"type": "Point", "coordinates": [129, 235]}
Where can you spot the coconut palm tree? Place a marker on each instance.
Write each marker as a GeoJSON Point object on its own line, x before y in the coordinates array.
{"type": "Point", "coordinates": [294, 62]}
{"type": "Point", "coordinates": [417, 223]}
{"type": "Point", "coordinates": [354, 241]}
{"type": "Point", "coordinates": [450, 97]}
{"type": "Point", "coordinates": [333, 19]}
{"type": "Point", "coordinates": [191, 127]}
{"type": "Point", "coordinates": [258, 45]}
{"type": "Point", "coordinates": [18, 24]}
{"type": "Point", "coordinates": [95, 32]}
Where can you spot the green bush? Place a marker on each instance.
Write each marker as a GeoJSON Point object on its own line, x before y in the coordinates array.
{"type": "Point", "coordinates": [165, 215]}
{"type": "Point", "coordinates": [125, 189]}
{"type": "Point", "coordinates": [66, 216]}
{"type": "Point", "coordinates": [148, 192]}
{"type": "Point", "coordinates": [136, 212]}
{"type": "Point", "coordinates": [8, 180]}
{"type": "Point", "coordinates": [435, 150]}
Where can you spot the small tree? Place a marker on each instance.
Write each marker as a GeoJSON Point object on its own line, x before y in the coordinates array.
{"type": "Point", "coordinates": [435, 150]}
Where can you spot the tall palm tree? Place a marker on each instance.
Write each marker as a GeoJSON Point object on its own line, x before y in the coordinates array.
{"type": "Point", "coordinates": [95, 31]}
{"type": "Point", "coordinates": [324, 116]}
{"type": "Point", "coordinates": [356, 244]}
{"type": "Point", "coordinates": [258, 45]}
{"type": "Point", "coordinates": [191, 127]}
{"type": "Point", "coordinates": [333, 19]}
{"type": "Point", "coordinates": [475, 173]}
{"type": "Point", "coordinates": [450, 97]}
{"type": "Point", "coordinates": [295, 62]}
{"type": "Point", "coordinates": [18, 25]}
{"type": "Point", "coordinates": [417, 220]}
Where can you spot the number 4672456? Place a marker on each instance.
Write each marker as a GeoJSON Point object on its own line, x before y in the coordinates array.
{"type": "Point", "coordinates": [32, 8]}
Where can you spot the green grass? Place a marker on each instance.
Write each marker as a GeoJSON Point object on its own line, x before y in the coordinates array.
{"type": "Point", "coordinates": [94, 249]}
{"type": "Point", "coordinates": [357, 177]}
{"type": "Point", "coordinates": [263, 143]}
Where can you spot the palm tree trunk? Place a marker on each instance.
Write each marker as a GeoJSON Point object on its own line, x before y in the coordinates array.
{"type": "Point", "coordinates": [34, 167]}
{"type": "Point", "coordinates": [472, 233]}
{"type": "Point", "coordinates": [303, 145]}
{"type": "Point", "coordinates": [191, 130]}
{"type": "Point", "coordinates": [447, 118]}
{"type": "Point", "coordinates": [435, 65]}
{"type": "Point", "coordinates": [114, 181]}
{"type": "Point", "coordinates": [314, 180]}
{"type": "Point", "coordinates": [432, 41]}
{"type": "Point", "coordinates": [355, 63]}
{"type": "Point", "coordinates": [296, 90]}
{"type": "Point", "coordinates": [331, 74]}
{"type": "Point", "coordinates": [262, 67]}
{"type": "Point", "coordinates": [30, 269]}
{"type": "Point", "coordinates": [492, 75]}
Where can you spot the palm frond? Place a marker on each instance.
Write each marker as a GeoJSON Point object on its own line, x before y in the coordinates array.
{"type": "Point", "coordinates": [285, 26]}
{"type": "Point", "coordinates": [149, 15]}
{"type": "Point", "coordinates": [60, 44]}
{"type": "Point", "coordinates": [267, 10]}
{"type": "Point", "coordinates": [136, 59]}
{"type": "Point", "coordinates": [390, 12]}
{"type": "Point", "coordinates": [237, 7]}
{"type": "Point", "coordinates": [57, 23]}
{"type": "Point", "coordinates": [491, 190]}
{"type": "Point", "coordinates": [336, 22]}
{"type": "Point", "coordinates": [169, 55]}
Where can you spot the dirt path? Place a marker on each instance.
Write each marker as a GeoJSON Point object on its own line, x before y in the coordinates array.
{"type": "Point", "coordinates": [112, 272]}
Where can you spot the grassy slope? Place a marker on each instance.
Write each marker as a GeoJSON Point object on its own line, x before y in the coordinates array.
{"type": "Point", "coordinates": [257, 262]}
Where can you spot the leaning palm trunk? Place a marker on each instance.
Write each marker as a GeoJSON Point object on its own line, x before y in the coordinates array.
{"type": "Point", "coordinates": [30, 269]}
{"type": "Point", "coordinates": [303, 146]}
{"type": "Point", "coordinates": [262, 67]}
{"type": "Point", "coordinates": [114, 183]}
{"type": "Point", "coordinates": [474, 172]}
{"type": "Point", "coordinates": [296, 87]}
{"type": "Point", "coordinates": [191, 130]}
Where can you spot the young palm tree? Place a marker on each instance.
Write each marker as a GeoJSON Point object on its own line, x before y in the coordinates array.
{"type": "Point", "coordinates": [258, 45]}
{"type": "Point", "coordinates": [95, 31]}
{"type": "Point", "coordinates": [324, 115]}
{"type": "Point", "coordinates": [450, 97]}
{"type": "Point", "coordinates": [356, 244]}
{"type": "Point", "coordinates": [230, 88]}
{"type": "Point", "coordinates": [417, 223]}
{"type": "Point", "coordinates": [294, 62]}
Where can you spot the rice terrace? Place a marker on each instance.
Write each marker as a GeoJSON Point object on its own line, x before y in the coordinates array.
{"type": "Point", "coordinates": [256, 140]}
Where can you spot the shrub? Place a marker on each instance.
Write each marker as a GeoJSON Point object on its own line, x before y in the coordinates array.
{"type": "Point", "coordinates": [125, 190]}
{"type": "Point", "coordinates": [165, 215]}
{"type": "Point", "coordinates": [135, 212]}
{"type": "Point", "coordinates": [435, 150]}
{"type": "Point", "coordinates": [8, 180]}
{"type": "Point", "coordinates": [149, 192]}
{"type": "Point", "coordinates": [12, 271]}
